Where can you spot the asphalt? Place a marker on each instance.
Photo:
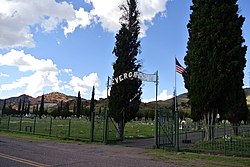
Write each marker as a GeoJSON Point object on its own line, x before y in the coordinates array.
{"type": "Point", "coordinates": [24, 153]}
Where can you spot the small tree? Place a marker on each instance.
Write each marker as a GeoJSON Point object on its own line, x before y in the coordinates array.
{"type": "Point", "coordinates": [78, 105]}
{"type": "Point", "coordinates": [54, 113]}
{"type": "Point", "coordinates": [92, 102]}
{"type": "Point", "coordinates": [65, 110]}
{"type": "Point", "coordinates": [41, 110]}
{"type": "Point", "coordinates": [23, 108]}
{"type": "Point", "coordinates": [74, 109]}
{"type": "Point", "coordinates": [28, 108]}
{"type": "Point", "coordinates": [19, 107]}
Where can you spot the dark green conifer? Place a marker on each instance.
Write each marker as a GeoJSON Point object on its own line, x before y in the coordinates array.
{"type": "Point", "coordinates": [19, 106]}
{"type": "Point", "coordinates": [215, 60]}
{"type": "Point", "coordinates": [125, 97]}
{"type": "Point", "coordinates": [92, 101]}
{"type": "Point", "coordinates": [78, 105]}
{"type": "Point", "coordinates": [41, 109]}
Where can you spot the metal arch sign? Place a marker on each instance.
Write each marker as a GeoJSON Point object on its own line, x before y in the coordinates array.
{"type": "Point", "coordinates": [144, 77]}
{"type": "Point", "coordinates": [137, 75]}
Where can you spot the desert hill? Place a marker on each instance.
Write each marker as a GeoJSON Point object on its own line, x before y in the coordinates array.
{"type": "Point", "coordinates": [57, 97]}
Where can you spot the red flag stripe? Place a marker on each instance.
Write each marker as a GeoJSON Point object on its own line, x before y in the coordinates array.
{"type": "Point", "coordinates": [179, 68]}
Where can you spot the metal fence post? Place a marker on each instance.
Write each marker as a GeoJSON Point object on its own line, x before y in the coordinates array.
{"type": "Point", "coordinates": [50, 126]}
{"type": "Point", "coordinates": [156, 139]}
{"type": "Point", "coordinates": [9, 123]}
{"type": "Point", "coordinates": [224, 137]}
{"type": "Point", "coordinates": [69, 127]}
{"type": "Point", "coordinates": [20, 126]}
{"type": "Point", "coordinates": [177, 130]}
{"type": "Point", "coordinates": [92, 126]}
{"type": "Point", "coordinates": [105, 133]}
{"type": "Point", "coordinates": [34, 128]}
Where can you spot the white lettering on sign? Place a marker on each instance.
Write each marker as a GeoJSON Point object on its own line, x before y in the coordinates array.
{"type": "Point", "coordinates": [136, 75]}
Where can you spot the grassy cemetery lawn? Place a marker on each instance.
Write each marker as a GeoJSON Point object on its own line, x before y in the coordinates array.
{"type": "Point", "coordinates": [73, 128]}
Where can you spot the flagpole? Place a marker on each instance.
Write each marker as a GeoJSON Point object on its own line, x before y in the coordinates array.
{"type": "Point", "coordinates": [176, 115]}
{"type": "Point", "coordinates": [175, 100]}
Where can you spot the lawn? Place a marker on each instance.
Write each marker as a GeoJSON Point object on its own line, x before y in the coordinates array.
{"type": "Point", "coordinates": [74, 128]}
{"type": "Point", "coordinates": [197, 159]}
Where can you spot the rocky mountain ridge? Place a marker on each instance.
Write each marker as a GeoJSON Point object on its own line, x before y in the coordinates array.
{"type": "Point", "coordinates": [57, 97]}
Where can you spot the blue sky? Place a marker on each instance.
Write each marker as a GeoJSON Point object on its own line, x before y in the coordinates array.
{"type": "Point", "coordinates": [66, 45]}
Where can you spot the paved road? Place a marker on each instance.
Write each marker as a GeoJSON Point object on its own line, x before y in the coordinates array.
{"type": "Point", "coordinates": [26, 153]}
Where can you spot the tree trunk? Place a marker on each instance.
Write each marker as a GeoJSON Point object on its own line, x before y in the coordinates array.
{"type": "Point", "coordinates": [121, 130]}
{"type": "Point", "coordinates": [209, 122]}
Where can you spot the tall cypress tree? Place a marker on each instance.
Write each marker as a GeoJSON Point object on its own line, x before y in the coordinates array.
{"type": "Point", "coordinates": [74, 109]}
{"type": "Point", "coordinates": [124, 97]}
{"type": "Point", "coordinates": [36, 110]}
{"type": "Point", "coordinates": [28, 108]}
{"type": "Point", "coordinates": [41, 110]}
{"type": "Point", "coordinates": [215, 60]}
{"type": "Point", "coordinates": [23, 108]}
{"type": "Point", "coordinates": [19, 106]}
{"type": "Point", "coordinates": [92, 102]}
{"type": "Point", "coordinates": [78, 105]}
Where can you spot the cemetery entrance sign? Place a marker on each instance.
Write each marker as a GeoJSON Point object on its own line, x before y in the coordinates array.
{"type": "Point", "coordinates": [144, 77]}
{"type": "Point", "coordinates": [135, 75]}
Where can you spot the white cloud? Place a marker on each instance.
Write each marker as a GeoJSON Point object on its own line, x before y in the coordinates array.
{"type": "Point", "coordinates": [67, 71]}
{"type": "Point", "coordinates": [82, 19]}
{"type": "Point", "coordinates": [108, 13]}
{"type": "Point", "coordinates": [3, 75]}
{"type": "Point", "coordinates": [84, 84]}
{"type": "Point", "coordinates": [26, 62]}
{"type": "Point", "coordinates": [100, 94]}
{"type": "Point", "coordinates": [44, 73]}
{"type": "Point", "coordinates": [17, 18]}
{"type": "Point", "coordinates": [163, 96]}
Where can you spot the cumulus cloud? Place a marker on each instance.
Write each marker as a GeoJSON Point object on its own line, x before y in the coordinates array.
{"type": "Point", "coordinates": [85, 83]}
{"type": "Point", "coordinates": [44, 72]}
{"type": "Point", "coordinates": [26, 62]}
{"type": "Point", "coordinates": [108, 13]}
{"type": "Point", "coordinates": [100, 94]}
{"type": "Point", "coordinates": [3, 75]}
{"type": "Point", "coordinates": [17, 18]}
{"type": "Point", "coordinates": [162, 96]}
{"type": "Point", "coordinates": [82, 19]}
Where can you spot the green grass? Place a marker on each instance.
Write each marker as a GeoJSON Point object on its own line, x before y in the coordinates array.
{"type": "Point", "coordinates": [74, 128]}
{"type": "Point", "coordinates": [233, 145]}
{"type": "Point", "coordinates": [194, 159]}
{"type": "Point", "coordinates": [37, 138]}
{"type": "Point", "coordinates": [138, 129]}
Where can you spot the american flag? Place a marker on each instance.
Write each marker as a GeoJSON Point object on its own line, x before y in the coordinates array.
{"type": "Point", "coordinates": [179, 68]}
